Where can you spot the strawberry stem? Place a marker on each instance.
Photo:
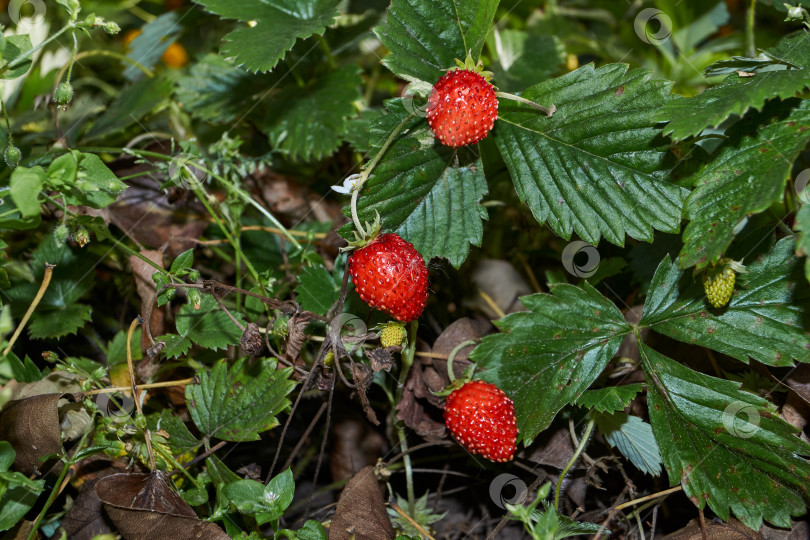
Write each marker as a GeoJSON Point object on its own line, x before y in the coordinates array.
{"type": "Point", "coordinates": [548, 112]}
{"type": "Point", "coordinates": [580, 447]}
{"type": "Point", "coordinates": [450, 359]}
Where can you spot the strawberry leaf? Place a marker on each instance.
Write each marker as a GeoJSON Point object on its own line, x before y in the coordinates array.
{"type": "Point", "coordinates": [427, 193]}
{"type": "Point", "coordinates": [597, 167]}
{"type": "Point", "coordinates": [279, 23]}
{"type": "Point", "coordinates": [726, 447]}
{"type": "Point", "coordinates": [802, 225]}
{"type": "Point", "coordinates": [523, 59]}
{"type": "Point", "coordinates": [208, 327]}
{"type": "Point", "coordinates": [548, 356]}
{"type": "Point", "coordinates": [237, 404]}
{"type": "Point", "coordinates": [633, 437]}
{"type": "Point", "coordinates": [745, 177]}
{"type": "Point", "coordinates": [425, 37]}
{"type": "Point", "coordinates": [59, 322]}
{"type": "Point", "coordinates": [610, 399]}
{"type": "Point", "coordinates": [309, 122]}
{"type": "Point", "coordinates": [764, 319]}
{"type": "Point", "coordinates": [736, 95]}
{"type": "Point", "coordinates": [317, 289]}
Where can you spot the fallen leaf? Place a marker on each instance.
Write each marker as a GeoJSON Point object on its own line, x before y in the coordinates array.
{"type": "Point", "coordinates": [356, 445]}
{"type": "Point", "coordinates": [144, 505]}
{"type": "Point", "coordinates": [85, 519]}
{"type": "Point", "coordinates": [361, 513]}
{"type": "Point", "coordinates": [31, 425]}
{"type": "Point", "coordinates": [715, 530]}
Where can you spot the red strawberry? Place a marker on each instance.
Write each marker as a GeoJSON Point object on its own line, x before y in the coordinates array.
{"type": "Point", "coordinates": [390, 275]}
{"type": "Point", "coordinates": [482, 418]}
{"type": "Point", "coordinates": [462, 108]}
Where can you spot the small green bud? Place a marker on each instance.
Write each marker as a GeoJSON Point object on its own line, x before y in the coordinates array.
{"type": "Point", "coordinates": [60, 233]}
{"type": "Point", "coordinates": [81, 236]}
{"type": "Point", "coordinates": [194, 298]}
{"type": "Point", "coordinates": [63, 94]}
{"type": "Point", "coordinates": [12, 155]}
{"type": "Point", "coordinates": [193, 275]}
{"type": "Point", "coordinates": [111, 28]}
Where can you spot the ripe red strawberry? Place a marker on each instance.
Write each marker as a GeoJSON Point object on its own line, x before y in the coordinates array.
{"type": "Point", "coordinates": [462, 108]}
{"type": "Point", "coordinates": [482, 418]}
{"type": "Point", "coordinates": [390, 275]}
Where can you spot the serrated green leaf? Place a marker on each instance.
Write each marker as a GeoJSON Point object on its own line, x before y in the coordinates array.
{"type": "Point", "coordinates": [765, 319]}
{"type": "Point", "coordinates": [802, 226]}
{"type": "Point", "coordinates": [146, 49]}
{"type": "Point", "coordinates": [744, 178]}
{"type": "Point", "coordinates": [24, 371]}
{"type": "Point", "coordinates": [309, 122]}
{"type": "Point", "coordinates": [597, 167]}
{"type": "Point", "coordinates": [419, 512]}
{"type": "Point", "coordinates": [209, 326]}
{"type": "Point", "coordinates": [265, 503]}
{"type": "Point", "coordinates": [426, 37]}
{"type": "Point", "coordinates": [633, 437]}
{"type": "Point", "coordinates": [136, 101]}
{"type": "Point", "coordinates": [176, 346]}
{"type": "Point", "coordinates": [546, 357]}
{"type": "Point", "coordinates": [180, 438]}
{"type": "Point", "coordinates": [24, 188]}
{"type": "Point", "coordinates": [523, 59]}
{"type": "Point", "coordinates": [219, 472]}
{"type": "Point", "coordinates": [96, 185]}
{"type": "Point", "coordinates": [279, 24]}
{"type": "Point", "coordinates": [237, 404]}
{"type": "Point", "coordinates": [610, 399]}
{"type": "Point", "coordinates": [727, 448]}
{"type": "Point", "coordinates": [11, 49]}
{"type": "Point", "coordinates": [317, 289]}
{"type": "Point", "coordinates": [59, 322]}
{"type": "Point", "coordinates": [427, 193]}
{"type": "Point", "coordinates": [216, 90]}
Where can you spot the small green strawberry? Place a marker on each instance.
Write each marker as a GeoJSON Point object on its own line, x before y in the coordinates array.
{"type": "Point", "coordinates": [392, 334]}
{"type": "Point", "coordinates": [63, 94]}
{"type": "Point", "coordinates": [12, 155]}
{"type": "Point", "coordinates": [718, 281]}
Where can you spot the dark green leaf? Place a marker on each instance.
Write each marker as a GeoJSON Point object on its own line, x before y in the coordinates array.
{"type": "Point", "coordinates": [180, 438]}
{"type": "Point", "coordinates": [22, 370]}
{"type": "Point", "coordinates": [132, 104]}
{"type": "Point", "coordinates": [11, 49]}
{"type": "Point", "coordinates": [209, 326]}
{"type": "Point", "coordinates": [176, 346]}
{"type": "Point", "coordinates": [317, 289]}
{"type": "Point", "coordinates": [610, 399]}
{"type": "Point", "coordinates": [425, 36]}
{"type": "Point", "coordinates": [216, 90]}
{"type": "Point", "coordinates": [264, 503]}
{"type": "Point", "coordinates": [726, 447]}
{"type": "Point", "coordinates": [523, 59]}
{"type": "Point", "coordinates": [598, 166]}
{"type": "Point", "coordinates": [96, 185]}
{"type": "Point", "coordinates": [237, 404]}
{"type": "Point", "coordinates": [59, 322]}
{"type": "Point", "coordinates": [309, 122]}
{"type": "Point", "coordinates": [24, 188]}
{"type": "Point", "coordinates": [422, 192]}
{"type": "Point", "coordinates": [633, 437]}
{"type": "Point", "coordinates": [279, 23]}
{"type": "Point", "coordinates": [147, 47]}
{"type": "Point", "coordinates": [765, 319]}
{"type": "Point", "coordinates": [802, 226]}
{"type": "Point", "coordinates": [184, 261]}
{"type": "Point", "coordinates": [219, 472]}
{"type": "Point", "coordinates": [11, 218]}
{"type": "Point", "coordinates": [546, 357]}
{"type": "Point", "coordinates": [745, 178]}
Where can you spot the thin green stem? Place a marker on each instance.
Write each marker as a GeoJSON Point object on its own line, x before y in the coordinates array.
{"type": "Point", "coordinates": [450, 359]}
{"type": "Point", "coordinates": [407, 362]}
{"type": "Point", "coordinates": [19, 60]}
{"type": "Point", "coordinates": [8, 123]}
{"type": "Point", "coordinates": [750, 46]}
{"type": "Point", "coordinates": [582, 444]}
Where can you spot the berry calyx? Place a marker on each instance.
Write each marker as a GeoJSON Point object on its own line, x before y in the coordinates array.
{"type": "Point", "coordinates": [392, 335]}
{"type": "Point", "coordinates": [482, 418]}
{"type": "Point", "coordinates": [63, 94]}
{"type": "Point", "coordinates": [390, 275]}
{"type": "Point", "coordinates": [12, 156]}
{"type": "Point", "coordinates": [463, 106]}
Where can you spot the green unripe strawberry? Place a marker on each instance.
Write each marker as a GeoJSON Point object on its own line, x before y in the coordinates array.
{"type": "Point", "coordinates": [81, 236]}
{"type": "Point", "coordinates": [12, 155]}
{"type": "Point", "coordinates": [63, 94]}
{"type": "Point", "coordinates": [718, 283]}
{"type": "Point", "coordinates": [61, 233]}
{"type": "Point", "coordinates": [392, 334]}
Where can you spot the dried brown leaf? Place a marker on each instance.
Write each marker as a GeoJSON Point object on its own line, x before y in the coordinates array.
{"type": "Point", "coordinates": [361, 513]}
{"type": "Point", "coordinates": [31, 425]}
{"type": "Point", "coordinates": [715, 530]}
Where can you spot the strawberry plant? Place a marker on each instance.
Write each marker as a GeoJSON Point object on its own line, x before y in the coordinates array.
{"type": "Point", "coordinates": [314, 269]}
